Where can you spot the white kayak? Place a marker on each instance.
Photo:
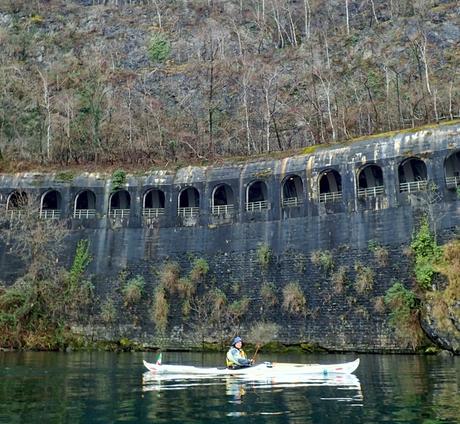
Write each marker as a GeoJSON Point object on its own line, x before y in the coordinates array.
{"type": "Point", "coordinates": [266, 369]}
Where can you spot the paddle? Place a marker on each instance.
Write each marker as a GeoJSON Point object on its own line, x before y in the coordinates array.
{"type": "Point", "coordinates": [262, 333]}
{"type": "Point", "coordinates": [253, 360]}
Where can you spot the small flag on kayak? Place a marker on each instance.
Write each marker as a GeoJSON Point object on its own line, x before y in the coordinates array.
{"type": "Point", "coordinates": [158, 362]}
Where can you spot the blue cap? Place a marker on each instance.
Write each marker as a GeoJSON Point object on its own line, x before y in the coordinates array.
{"type": "Point", "coordinates": [236, 340]}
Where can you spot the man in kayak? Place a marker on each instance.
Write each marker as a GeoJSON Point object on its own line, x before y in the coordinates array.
{"type": "Point", "coordinates": [236, 358]}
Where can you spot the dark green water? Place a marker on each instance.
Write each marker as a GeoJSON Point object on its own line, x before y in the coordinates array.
{"type": "Point", "coordinates": [108, 387]}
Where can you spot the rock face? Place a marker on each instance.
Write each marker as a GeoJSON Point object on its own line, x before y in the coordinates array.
{"type": "Point", "coordinates": [142, 81]}
{"type": "Point", "coordinates": [311, 242]}
{"type": "Point", "coordinates": [444, 331]}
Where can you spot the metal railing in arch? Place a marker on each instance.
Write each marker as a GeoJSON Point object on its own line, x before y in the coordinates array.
{"type": "Point", "coordinates": [333, 196]}
{"type": "Point", "coordinates": [84, 213]}
{"type": "Point", "coordinates": [371, 191]}
{"type": "Point", "coordinates": [153, 212]}
{"type": "Point", "coordinates": [119, 213]}
{"type": "Point", "coordinates": [189, 212]}
{"type": "Point", "coordinates": [453, 181]}
{"type": "Point", "coordinates": [257, 206]}
{"type": "Point", "coordinates": [413, 186]}
{"type": "Point", "coordinates": [50, 214]}
{"type": "Point", "coordinates": [291, 202]}
{"type": "Point", "coordinates": [222, 210]}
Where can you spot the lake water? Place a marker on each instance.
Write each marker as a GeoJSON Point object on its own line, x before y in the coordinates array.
{"type": "Point", "coordinates": [108, 387]}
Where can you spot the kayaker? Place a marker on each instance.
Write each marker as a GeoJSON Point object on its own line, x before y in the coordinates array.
{"type": "Point", "coordinates": [236, 358]}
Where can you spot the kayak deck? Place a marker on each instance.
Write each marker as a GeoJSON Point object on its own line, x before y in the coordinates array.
{"type": "Point", "coordinates": [264, 369]}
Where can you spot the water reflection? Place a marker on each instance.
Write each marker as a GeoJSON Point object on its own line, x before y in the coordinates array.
{"type": "Point", "coordinates": [157, 382]}
{"type": "Point", "coordinates": [106, 388]}
{"type": "Point", "coordinates": [277, 399]}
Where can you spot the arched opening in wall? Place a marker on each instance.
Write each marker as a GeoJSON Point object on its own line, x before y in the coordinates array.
{"type": "Point", "coordinates": [256, 197]}
{"type": "Point", "coordinates": [330, 186]}
{"type": "Point", "coordinates": [222, 200]}
{"type": "Point", "coordinates": [17, 203]}
{"type": "Point", "coordinates": [50, 205]}
{"type": "Point", "coordinates": [85, 205]}
{"type": "Point", "coordinates": [154, 203]}
{"type": "Point", "coordinates": [189, 203]}
{"type": "Point", "coordinates": [452, 170]}
{"type": "Point", "coordinates": [370, 181]}
{"type": "Point", "coordinates": [120, 204]}
{"type": "Point", "coordinates": [292, 191]}
{"type": "Point", "coordinates": [412, 176]}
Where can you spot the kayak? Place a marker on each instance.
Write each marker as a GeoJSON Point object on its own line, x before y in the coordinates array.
{"type": "Point", "coordinates": [267, 369]}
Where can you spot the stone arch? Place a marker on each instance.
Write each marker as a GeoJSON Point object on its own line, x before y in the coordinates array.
{"type": "Point", "coordinates": [17, 200]}
{"type": "Point", "coordinates": [120, 204]}
{"type": "Point", "coordinates": [452, 170]}
{"type": "Point", "coordinates": [50, 204]}
{"type": "Point", "coordinates": [189, 202]}
{"type": "Point", "coordinates": [153, 203]}
{"type": "Point", "coordinates": [330, 186]}
{"type": "Point", "coordinates": [85, 205]}
{"type": "Point", "coordinates": [292, 189]}
{"type": "Point", "coordinates": [256, 196]}
{"type": "Point", "coordinates": [222, 201]}
{"type": "Point", "coordinates": [412, 175]}
{"type": "Point", "coordinates": [370, 181]}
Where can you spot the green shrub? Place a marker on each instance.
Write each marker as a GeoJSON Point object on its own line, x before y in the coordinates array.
{"type": "Point", "coordinates": [404, 314]}
{"type": "Point", "coordinates": [380, 253]}
{"type": "Point", "coordinates": [238, 308]}
{"type": "Point", "coordinates": [294, 301]}
{"type": "Point", "coordinates": [133, 290]}
{"type": "Point", "coordinates": [159, 47]}
{"type": "Point", "coordinates": [108, 311]}
{"type": "Point", "coordinates": [218, 299]}
{"type": "Point", "coordinates": [81, 261]}
{"type": "Point", "coordinates": [264, 255]}
{"type": "Point", "coordinates": [37, 19]}
{"type": "Point", "coordinates": [268, 294]}
{"type": "Point", "coordinates": [323, 259]}
{"type": "Point", "coordinates": [186, 288]}
{"type": "Point", "coordinates": [364, 278]}
{"type": "Point", "coordinates": [199, 270]}
{"type": "Point", "coordinates": [339, 279]}
{"type": "Point", "coordinates": [169, 276]}
{"type": "Point", "coordinates": [160, 309]}
{"type": "Point", "coordinates": [424, 273]}
{"type": "Point", "coordinates": [427, 253]}
{"type": "Point", "coordinates": [64, 176]}
{"type": "Point", "coordinates": [118, 180]}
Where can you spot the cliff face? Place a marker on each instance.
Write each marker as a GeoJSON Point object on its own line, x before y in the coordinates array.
{"type": "Point", "coordinates": [161, 81]}
{"type": "Point", "coordinates": [311, 243]}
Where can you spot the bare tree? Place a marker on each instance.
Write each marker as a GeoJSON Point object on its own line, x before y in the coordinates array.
{"type": "Point", "coordinates": [347, 16]}
{"type": "Point", "coordinates": [47, 106]}
{"type": "Point", "coordinates": [307, 18]}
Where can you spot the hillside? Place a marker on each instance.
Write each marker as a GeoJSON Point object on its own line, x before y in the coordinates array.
{"type": "Point", "coordinates": [154, 82]}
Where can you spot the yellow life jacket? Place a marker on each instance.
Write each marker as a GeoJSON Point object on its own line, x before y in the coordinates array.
{"type": "Point", "coordinates": [231, 360]}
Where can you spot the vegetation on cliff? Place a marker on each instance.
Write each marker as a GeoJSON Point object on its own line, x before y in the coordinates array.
{"type": "Point", "coordinates": [37, 310]}
{"type": "Point", "coordinates": [161, 81]}
{"type": "Point", "coordinates": [432, 308]}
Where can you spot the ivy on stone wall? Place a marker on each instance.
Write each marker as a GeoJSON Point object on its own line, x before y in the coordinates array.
{"type": "Point", "coordinates": [427, 253]}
